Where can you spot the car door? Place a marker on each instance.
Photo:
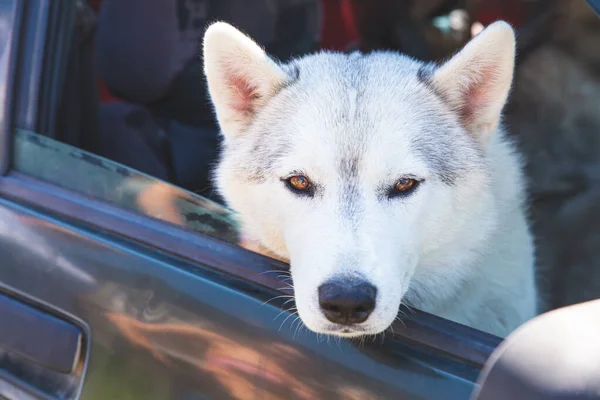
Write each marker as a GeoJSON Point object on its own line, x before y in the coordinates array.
{"type": "Point", "coordinates": [116, 285]}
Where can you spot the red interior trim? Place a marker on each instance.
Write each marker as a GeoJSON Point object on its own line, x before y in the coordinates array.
{"type": "Point", "coordinates": [339, 27]}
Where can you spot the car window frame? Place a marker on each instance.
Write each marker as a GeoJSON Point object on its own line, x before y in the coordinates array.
{"type": "Point", "coordinates": [13, 14]}
{"type": "Point", "coordinates": [419, 329]}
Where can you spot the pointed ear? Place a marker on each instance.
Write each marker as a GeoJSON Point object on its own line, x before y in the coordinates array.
{"type": "Point", "coordinates": [477, 80]}
{"type": "Point", "coordinates": [240, 75]}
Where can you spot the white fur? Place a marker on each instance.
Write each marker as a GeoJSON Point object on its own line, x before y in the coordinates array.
{"type": "Point", "coordinates": [461, 250]}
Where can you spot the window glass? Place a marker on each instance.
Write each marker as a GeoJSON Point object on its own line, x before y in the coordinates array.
{"type": "Point", "coordinates": [74, 169]}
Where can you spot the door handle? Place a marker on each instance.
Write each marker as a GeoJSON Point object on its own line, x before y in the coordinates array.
{"type": "Point", "coordinates": [38, 336]}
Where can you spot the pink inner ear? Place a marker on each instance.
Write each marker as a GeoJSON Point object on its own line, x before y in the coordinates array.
{"type": "Point", "coordinates": [478, 95]}
{"type": "Point", "coordinates": [475, 103]}
{"type": "Point", "coordinates": [243, 93]}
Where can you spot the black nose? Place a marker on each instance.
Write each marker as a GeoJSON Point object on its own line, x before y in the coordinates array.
{"type": "Point", "coordinates": [347, 302]}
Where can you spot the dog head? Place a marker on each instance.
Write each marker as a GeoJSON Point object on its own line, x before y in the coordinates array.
{"type": "Point", "coordinates": [368, 172]}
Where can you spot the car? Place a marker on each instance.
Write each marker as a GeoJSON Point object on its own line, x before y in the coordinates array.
{"type": "Point", "coordinates": [104, 295]}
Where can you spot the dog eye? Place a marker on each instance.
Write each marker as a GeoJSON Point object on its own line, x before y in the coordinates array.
{"type": "Point", "coordinates": [403, 187]}
{"type": "Point", "coordinates": [405, 184]}
{"type": "Point", "coordinates": [299, 184]}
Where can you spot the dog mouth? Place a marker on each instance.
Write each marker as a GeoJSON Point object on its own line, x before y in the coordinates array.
{"type": "Point", "coordinates": [346, 331]}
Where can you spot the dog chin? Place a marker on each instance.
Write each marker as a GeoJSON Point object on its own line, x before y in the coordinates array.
{"type": "Point", "coordinates": [348, 332]}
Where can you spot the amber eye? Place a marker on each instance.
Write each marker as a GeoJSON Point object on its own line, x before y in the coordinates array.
{"type": "Point", "coordinates": [405, 184]}
{"type": "Point", "coordinates": [403, 187]}
{"type": "Point", "coordinates": [299, 183]}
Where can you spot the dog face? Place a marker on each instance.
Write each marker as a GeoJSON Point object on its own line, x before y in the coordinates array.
{"type": "Point", "coordinates": [368, 172]}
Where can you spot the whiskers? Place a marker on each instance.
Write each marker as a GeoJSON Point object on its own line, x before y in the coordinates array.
{"type": "Point", "coordinates": [337, 340]}
{"type": "Point", "coordinates": [292, 312]}
{"type": "Point", "coordinates": [296, 322]}
{"type": "Point", "coordinates": [409, 308]}
{"type": "Point", "coordinates": [402, 315]}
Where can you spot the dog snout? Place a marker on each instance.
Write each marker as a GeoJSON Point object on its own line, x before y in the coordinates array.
{"type": "Point", "coordinates": [347, 303]}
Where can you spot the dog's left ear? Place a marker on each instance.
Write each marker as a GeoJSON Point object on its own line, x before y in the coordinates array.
{"type": "Point", "coordinates": [241, 77]}
{"type": "Point", "coordinates": [477, 80]}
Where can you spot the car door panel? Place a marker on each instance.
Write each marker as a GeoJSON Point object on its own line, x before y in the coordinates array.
{"type": "Point", "coordinates": [162, 328]}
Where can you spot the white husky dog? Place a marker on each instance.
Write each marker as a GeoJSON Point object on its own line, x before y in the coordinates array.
{"type": "Point", "coordinates": [382, 179]}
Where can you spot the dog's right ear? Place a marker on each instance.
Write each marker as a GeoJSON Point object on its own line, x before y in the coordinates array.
{"type": "Point", "coordinates": [241, 77]}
